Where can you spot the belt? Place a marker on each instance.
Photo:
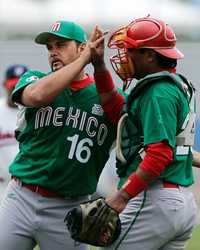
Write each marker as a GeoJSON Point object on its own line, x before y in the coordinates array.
{"type": "Point", "coordinates": [169, 185]}
{"type": "Point", "coordinates": [38, 189]}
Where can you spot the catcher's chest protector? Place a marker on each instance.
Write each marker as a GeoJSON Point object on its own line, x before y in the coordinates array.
{"type": "Point", "coordinates": [130, 141]}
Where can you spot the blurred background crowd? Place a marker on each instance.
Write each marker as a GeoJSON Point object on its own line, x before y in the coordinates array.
{"type": "Point", "coordinates": [21, 20]}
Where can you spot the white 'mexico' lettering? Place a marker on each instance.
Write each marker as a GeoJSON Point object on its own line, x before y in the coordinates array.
{"type": "Point", "coordinates": [58, 115]}
{"type": "Point", "coordinates": [43, 117]}
{"type": "Point", "coordinates": [74, 118]}
{"type": "Point", "coordinates": [89, 130]}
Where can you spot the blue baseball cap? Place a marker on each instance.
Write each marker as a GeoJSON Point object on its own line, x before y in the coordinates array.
{"type": "Point", "coordinates": [63, 29]}
{"type": "Point", "coordinates": [13, 73]}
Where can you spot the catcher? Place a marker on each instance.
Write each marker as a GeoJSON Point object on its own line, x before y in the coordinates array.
{"type": "Point", "coordinates": [154, 139]}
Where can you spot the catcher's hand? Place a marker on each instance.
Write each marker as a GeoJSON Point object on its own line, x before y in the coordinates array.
{"type": "Point", "coordinates": [94, 223]}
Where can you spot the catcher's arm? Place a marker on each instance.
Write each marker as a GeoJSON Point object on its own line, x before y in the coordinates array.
{"type": "Point", "coordinates": [158, 156]}
{"type": "Point", "coordinates": [196, 158]}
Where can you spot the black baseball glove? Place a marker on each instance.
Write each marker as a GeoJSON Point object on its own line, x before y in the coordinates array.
{"type": "Point", "coordinates": [94, 223]}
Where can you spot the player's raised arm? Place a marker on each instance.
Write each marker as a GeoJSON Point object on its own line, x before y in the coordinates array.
{"type": "Point", "coordinates": [66, 60]}
{"type": "Point", "coordinates": [111, 100]}
{"type": "Point", "coordinates": [48, 87]}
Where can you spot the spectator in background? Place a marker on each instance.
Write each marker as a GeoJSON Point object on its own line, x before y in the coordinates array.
{"type": "Point", "coordinates": [8, 112]}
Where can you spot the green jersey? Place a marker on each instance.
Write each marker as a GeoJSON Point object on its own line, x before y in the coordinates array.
{"type": "Point", "coordinates": [65, 145]}
{"type": "Point", "coordinates": [157, 113]}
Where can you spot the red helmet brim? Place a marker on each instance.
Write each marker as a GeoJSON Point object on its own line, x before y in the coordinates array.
{"type": "Point", "coordinates": [173, 53]}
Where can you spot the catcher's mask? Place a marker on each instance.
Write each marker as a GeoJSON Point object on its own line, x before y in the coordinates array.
{"type": "Point", "coordinates": [143, 32]}
{"type": "Point", "coordinates": [121, 62]}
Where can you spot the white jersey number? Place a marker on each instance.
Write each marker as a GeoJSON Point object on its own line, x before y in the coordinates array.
{"type": "Point", "coordinates": [80, 149]}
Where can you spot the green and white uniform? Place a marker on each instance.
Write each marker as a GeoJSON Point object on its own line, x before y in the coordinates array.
{"type": "Point", "coordinates": [63, 148]}
{"type": "Point", "coordinates": [157, 111]}
{"type": "Point", "coordinates": [66, 143]}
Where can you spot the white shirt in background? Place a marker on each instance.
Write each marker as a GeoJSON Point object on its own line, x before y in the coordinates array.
{"type": "Point", "coordinates": [8, 143]}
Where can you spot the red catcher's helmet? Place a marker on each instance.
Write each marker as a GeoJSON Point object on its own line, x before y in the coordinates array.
{"type": "Point", "coordinates": [143, 32]}
{"type": "Point", "coordinates": [152, 33]}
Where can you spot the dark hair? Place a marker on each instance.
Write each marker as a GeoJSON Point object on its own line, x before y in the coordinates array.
{"type": "Point", "coordinates": [166, 62]}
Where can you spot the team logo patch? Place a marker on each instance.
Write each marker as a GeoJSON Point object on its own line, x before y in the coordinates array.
{"type": "Point", "coordinates": [97, 110]}
{"type": "Point", "coordinates": [32, 78]}
{"type": "Point", "coordinates": [55, 26]}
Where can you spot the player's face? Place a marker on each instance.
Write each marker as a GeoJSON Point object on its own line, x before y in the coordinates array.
{"type": "Point", "coordinates": [61, 52]}
{"type": "Point", "coordinates": [143, 62]}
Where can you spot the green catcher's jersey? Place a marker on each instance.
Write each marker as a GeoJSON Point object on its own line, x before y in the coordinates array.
{"type": "Point", "coordinates": [157, 114]}
{"type": "Point", "coordinates": [65, 145]}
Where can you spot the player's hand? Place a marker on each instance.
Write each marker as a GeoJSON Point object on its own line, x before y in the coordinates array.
{"type": "Point", "coordinates": [94, 49]}
{"type": "Point", "coordinates": [98, 47]}
{"type": "Point", "coordinates": [118, 201]}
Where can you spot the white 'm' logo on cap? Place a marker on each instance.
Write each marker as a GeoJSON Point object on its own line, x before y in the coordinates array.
{"type": "Point", "coordinates": [55, 27]}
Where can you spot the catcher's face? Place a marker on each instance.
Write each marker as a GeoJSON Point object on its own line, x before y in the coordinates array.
{"type": "Point", "coordinates": [61, 52]}
{"type": "Point", "coordinates": [144, 62]}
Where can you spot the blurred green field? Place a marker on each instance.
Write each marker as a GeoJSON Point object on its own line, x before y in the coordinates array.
{"type": "Point", "coordinates": [193, 244]}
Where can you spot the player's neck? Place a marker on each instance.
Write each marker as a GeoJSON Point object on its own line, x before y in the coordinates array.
{"type": "Point", "coordinates": [80, 76]}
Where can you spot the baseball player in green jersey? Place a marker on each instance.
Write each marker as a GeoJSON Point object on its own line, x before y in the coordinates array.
{"type": "Point", "coordinates": [64, 139]}
{"type": "Point", "coordinates": [154, 136]}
